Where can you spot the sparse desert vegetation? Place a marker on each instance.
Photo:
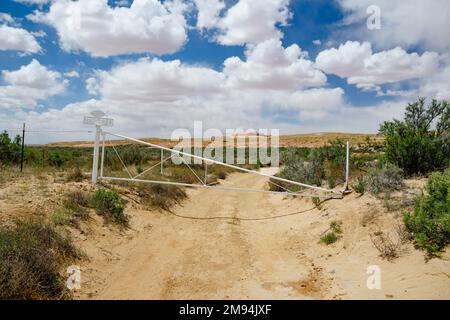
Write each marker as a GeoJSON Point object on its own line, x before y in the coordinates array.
{"type": "Point", "coordinates": [110, 206]}
{"type": "Point", "coordinates": [32, 254]}
{"type": "Point", "coordinates": [429, 222]}
{"type": "Point", "coordinates": [334, 233]}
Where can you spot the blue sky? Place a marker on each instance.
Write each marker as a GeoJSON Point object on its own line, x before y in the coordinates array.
{"type": "Point", "coordinates": [349, 81]}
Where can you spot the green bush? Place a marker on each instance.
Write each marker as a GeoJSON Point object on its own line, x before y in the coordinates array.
{"type": "Point", "coordinates": [360, 186]}
{"type": "Point", "coordinates": [334, 234]}
{"type": "Point", "coordinates": [313, 166]}
{"type": "Point", "coordinates": [108, 204]}
{"type": "Point", "coordinates": [430, 220]}
{"type": "Point", "coordinates": [309, 171]}
{"type": "Point", "coordinates": [57, 159]}
{"type": "Point", "coordinates": [9, 150]}
{"type": "Point", "coordinates": [32, 254]}
{"type": "Point", "coordinates": [292, 155]}
{"type": "Point", "coordinates": [329, 238]}
{"type": "Point", "coordinates": [316, 201]}
{"type": "Point", "coordinates": [413, 144]}
{"type": "Point", "coordinates": [388, 178]}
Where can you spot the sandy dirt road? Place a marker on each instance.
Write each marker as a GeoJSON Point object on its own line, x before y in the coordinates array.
{"type": "Point", "coordinates": [233, 245]}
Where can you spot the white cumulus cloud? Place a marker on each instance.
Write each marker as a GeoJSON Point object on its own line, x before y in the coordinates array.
{"type": "Point", "coordinates": [246, 22]}
{"type": "Point", "coordinates": [270, 66]}
{"type": "Point", "coordinates": [29, 84]}
{"type": "Point", "coordinates": [403, 23]}
{"type": "Point", "coordinates": [208, 12]}
{"type": "Point", "coordinates": [95, 27]}
{"type": "Point", "coordinates": [367, 70]}
{"type": "Point", "coordinates": [19, 39]}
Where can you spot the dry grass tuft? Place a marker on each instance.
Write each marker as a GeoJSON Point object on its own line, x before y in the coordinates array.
{"type": "Point", "coordinates": [160, 196]}
{"type": "Point", "coordinates": [32, 254]}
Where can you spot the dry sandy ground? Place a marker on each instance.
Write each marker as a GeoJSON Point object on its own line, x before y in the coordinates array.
{"type": "Point", "coordinates": [231, 245]}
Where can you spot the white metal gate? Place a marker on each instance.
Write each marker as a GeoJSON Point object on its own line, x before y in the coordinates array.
{"type": "Point", "coordinates": [100, 136]}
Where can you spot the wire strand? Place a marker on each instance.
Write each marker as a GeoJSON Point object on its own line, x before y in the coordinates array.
{"type": "Point", "coordinates": [50, 131]}
{"type": "Point", "coordinates": [250, 219]}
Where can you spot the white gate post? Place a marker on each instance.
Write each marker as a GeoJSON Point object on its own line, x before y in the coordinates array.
{"type": "Point", "coordinates": [102, 161]}
{"type": "Point", "coordinates": [98, 131]}
{"type": "Point", "coordinates": [97, 118]}
{"type": "Point", "coordinates": [347, 167]}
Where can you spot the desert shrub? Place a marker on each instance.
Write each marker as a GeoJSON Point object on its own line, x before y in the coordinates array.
{"type": "Point", "coordinates": [292, 155]}
{"type": "Point", "coordinates": [56, 159]}
{"type": "Point", "coordinates": [9, 149]}
{"type": "Point", "coordinates": [329, 238]}
{"type": "Point", "coordinates": [360, 186]}
{"type": "Point", "coordinates": [301, 171]}
{"type": "Point", "coordinates": [112, 162]}
{"type": "Point", "coordinates": [402, 233]}
{"type": "Point", "coordinates": [385, 179]}
{"type": "Point", "coordinates": [76, 200]}
{"type": "Point", "coordinates": [132, 155]}
{"type": "Point", "coordinates": [335, 153]}
{"type": "Point", "coordinates": [108, 204]}
{"type": "Point", "coordinates": [218, 171]}
{"type": "Point", "coordinates": [334, 233]}
{"type": "Point", "coordinates": [430, 220]}
{"type": "Point", "coordinates": [414, 144]}
{"type": "Point", "coordinates": [368, 216]}
{"type": "Point", "coordinates": [161, 196]}
{"type": "Point", "coordinates": [390, 203]}
{"type": "Point", "coordinates": [312, 166]}
{"type": "Point", "coordinates": [310, 171]}
{"type": "Point", "coordinates": [32, 254]}
{"type": "Point", "coordinates": [331, 181]}
{"type": "Point", "coordinates": [316, 201]}
{"type": "Point", "coordinates": [75, 175]}
{"type": "Point", "coordinates": [336, 226]}
{"type": "Point", "coordinates": [75, 208]}
{"type": "Point", "coordinates": [63, 217]}
{"type": "Point", "coordinates": [388, 246]}
{"type": "Point", "coordinates": [183, 174]}
{"type": "Point", "coordinates": [221, 174]}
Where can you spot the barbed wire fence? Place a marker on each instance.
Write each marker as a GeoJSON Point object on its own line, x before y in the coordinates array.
{"type": "Point", "coordinates": [25, 131]}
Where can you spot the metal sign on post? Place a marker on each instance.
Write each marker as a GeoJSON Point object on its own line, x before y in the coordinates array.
{"type": "Point", "coordinates": [104, 122]}
{"type": "Point", "coordinates": [98, 119]}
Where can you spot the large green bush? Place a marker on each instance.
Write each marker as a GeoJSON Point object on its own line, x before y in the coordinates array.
{"type": "Point", "coordinates": [430, 220]}
{"type": "Point", "coordinates": [10, 150]}
{"type": "Point", "coordinates": [421, 142]}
